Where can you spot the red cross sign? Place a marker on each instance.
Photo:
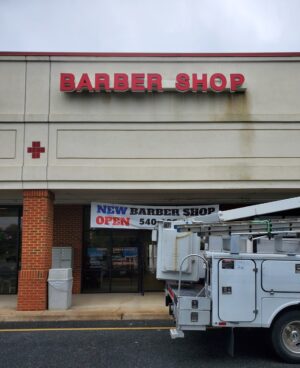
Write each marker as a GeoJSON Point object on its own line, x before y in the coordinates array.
{"type": "Point", "coordinates": [36, 150]}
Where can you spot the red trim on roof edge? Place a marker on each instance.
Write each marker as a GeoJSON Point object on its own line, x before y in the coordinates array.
{"type": "Point", "coordinates": [152, 54]}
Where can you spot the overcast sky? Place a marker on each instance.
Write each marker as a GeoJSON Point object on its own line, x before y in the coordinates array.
{"type": "Point", "coordinates": [150, 25]}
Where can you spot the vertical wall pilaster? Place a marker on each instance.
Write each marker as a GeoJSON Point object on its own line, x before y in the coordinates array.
{"type": "Point", "coordinates": [37, 240]}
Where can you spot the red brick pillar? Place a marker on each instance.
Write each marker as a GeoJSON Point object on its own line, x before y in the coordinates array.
{"type": "Point", "coordinates": [37, 239]}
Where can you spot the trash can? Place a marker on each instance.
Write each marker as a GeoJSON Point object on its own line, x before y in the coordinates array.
{"type": "Point", "coordinates": [60, 282]}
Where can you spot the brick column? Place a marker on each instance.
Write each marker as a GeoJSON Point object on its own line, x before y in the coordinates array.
{"type": "Point", "coordinates": [37, 240]}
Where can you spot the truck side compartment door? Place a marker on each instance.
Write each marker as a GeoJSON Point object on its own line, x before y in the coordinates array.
{"type": "Point", "coordinates": [237, 290]}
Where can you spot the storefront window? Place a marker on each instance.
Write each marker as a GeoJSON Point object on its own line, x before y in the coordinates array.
{"type": "Point", "coordinates": [9, 249]}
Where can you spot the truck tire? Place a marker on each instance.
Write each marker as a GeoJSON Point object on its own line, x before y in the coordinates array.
{"type": "Point", "coordinates": [171, 309]}
{"type": "Point", "coordinates": [286, 336]}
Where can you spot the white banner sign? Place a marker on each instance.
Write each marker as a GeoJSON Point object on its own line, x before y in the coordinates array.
{"type": "Point", "coordinates": [121, 216]}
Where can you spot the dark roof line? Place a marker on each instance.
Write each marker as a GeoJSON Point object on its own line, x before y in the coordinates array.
{"type": "Point", "coordinates": [152, 54]}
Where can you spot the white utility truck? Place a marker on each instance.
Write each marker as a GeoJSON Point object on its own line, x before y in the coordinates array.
{"type": "Point", "coordinates": [225, 273]}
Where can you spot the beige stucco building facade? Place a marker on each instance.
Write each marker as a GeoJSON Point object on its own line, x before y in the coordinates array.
{"type": "Point", "coordinates": [149, 148]}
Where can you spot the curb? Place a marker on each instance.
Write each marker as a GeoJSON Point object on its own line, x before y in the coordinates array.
{"type": "Point", "coordinates": [87, 315]}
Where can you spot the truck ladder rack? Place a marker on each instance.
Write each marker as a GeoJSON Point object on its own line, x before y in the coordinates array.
{"type": "Point", "coordinates": [251, 227]}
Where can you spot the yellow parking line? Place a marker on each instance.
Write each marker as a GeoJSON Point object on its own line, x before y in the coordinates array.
{"type": "Point", "coordinates": [85, 329]}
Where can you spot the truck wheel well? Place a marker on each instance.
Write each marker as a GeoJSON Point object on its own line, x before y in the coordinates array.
{"type": "Point", "coordinates": [285, 310]}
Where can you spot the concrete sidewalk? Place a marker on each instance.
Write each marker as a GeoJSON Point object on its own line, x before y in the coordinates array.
{"type": "Point", "coordinates": [92, 307]}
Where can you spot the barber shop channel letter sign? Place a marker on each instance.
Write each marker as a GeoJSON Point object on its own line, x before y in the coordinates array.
{"type": "Point", "coordinates": [120, 216]}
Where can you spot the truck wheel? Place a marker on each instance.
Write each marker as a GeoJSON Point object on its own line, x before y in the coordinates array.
{"type": "Point", "coordinates": [171, 309]}
{"type": "Point", "coordinates": [286, 336]}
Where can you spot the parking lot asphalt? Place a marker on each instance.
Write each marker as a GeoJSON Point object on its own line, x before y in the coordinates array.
{"type": "Point", "coordinates": [128, 344]}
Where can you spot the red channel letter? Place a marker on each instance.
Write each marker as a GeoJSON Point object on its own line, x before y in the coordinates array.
{"type": "Point", "coordinates": [200, 82]}
{"type": "Point", "coordinates": [218, 82]}
{"type": "Point", "coordinates": [154, 82]}
{"type": "Point", "coordinates": [67, 82]}
{"type": "Point", "coordinates": [84, 83]}
{"type": "Point", "coordinates": [121, 82]}
{"type": "Point", "coordinates": [236, 80]}
{"type": "Point", "coordinates": [182, 82]}
{"type": "Point", "coordinates": [137, 82]}
{"type": "Point", "coordinates": [102, 82]}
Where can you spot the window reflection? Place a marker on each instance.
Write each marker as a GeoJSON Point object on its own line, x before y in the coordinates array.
{"type": "Point", "coordinates": [9, 249]}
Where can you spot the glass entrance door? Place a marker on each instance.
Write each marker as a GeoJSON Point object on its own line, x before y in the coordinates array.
{"type": "Point", "coordinates": [113, 261]}
{"type": "Point", "coordinates": [118, 260]}
{"type": "Point", "coordinates": [97, 270]}
{"type": "Point", "coordinates": [125, 269]}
